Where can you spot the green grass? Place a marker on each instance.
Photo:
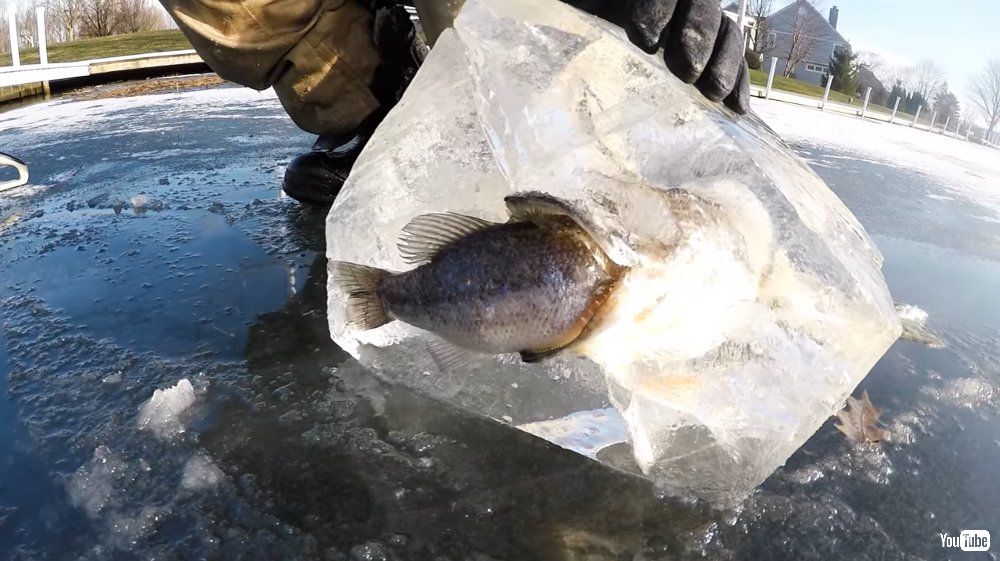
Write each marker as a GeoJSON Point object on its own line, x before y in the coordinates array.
{"type": "Point", "coordinates": [759, 78]}
{"type": "Point", "coordinates": [103, 47]}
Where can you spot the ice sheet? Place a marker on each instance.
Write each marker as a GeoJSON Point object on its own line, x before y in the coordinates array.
{"type": "Point", "coordinates": [754, 303]}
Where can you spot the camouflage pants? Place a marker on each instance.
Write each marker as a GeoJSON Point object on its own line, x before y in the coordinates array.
{"type": "Point", "coordinates": [317, 54]}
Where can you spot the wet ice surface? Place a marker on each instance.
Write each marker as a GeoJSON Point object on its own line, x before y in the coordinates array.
{"type": "Point", "coordinates": [288, 452]}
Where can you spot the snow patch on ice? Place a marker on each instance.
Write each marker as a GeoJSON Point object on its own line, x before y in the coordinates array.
{"type": "Point", "coordinates": [126, 529]}
{"type": "Point", "coordinates": [24, 191]}
{"type": "Point", "coordinates": [966, 169]}
{"type": "Point", "coordinates": [966, 392]}
{"type": "Point", "coordinates": [49, 123]}
{"type": "Point", "coordinates": [911, 314]}
{"type": "Point", "coordinates": [166, 412]}
{"type": "Point", "coordinates": [172, 153]}
{"type": "Point", "coordinates": [914, 323]}
{"type": "Point", "coordinates": [92, 486]}
{"type": "Point", "coordinates": [201, 473]}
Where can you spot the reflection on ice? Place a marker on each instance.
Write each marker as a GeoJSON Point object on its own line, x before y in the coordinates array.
{"type": "Point", "coordinates": [584, 432]}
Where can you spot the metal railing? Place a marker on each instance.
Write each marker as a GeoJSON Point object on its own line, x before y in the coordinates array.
{"type": "Point", "coordinates": [22, 172]}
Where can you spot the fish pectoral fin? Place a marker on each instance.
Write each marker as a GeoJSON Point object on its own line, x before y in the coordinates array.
{"type": "Point", "coordinates": [428, 234]}
{"type": "Point", "coordinates": [449, 356]}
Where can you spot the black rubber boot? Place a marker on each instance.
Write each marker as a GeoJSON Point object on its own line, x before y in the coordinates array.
{"type": "Point", "coordinates": [317, 176]}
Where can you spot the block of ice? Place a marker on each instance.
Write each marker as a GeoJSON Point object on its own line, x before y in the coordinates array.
{"type": "Point", "coordinates": [754, 303]}
{"type": "Point", "coordinates": [164, 413]}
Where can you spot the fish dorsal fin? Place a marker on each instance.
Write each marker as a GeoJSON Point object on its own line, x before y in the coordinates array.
{"type": "Point", "coordinates": [428, 234]}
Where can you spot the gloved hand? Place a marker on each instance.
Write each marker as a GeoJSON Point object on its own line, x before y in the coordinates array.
{"type": "Point", "coordinates": [700, 45]}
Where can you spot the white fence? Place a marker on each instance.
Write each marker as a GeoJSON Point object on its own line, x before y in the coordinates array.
{"type": "Point", "coordinates": [961, 129]}
{"type": "Point", "coordinates": [44, 72]}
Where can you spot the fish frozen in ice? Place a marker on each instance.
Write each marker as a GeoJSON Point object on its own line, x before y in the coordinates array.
{"type": "Point", "coordinates": [531, 285]}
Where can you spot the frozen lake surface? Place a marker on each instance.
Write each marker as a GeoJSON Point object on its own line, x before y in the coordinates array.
{"type": "Point", "coordinates": [152, 251]}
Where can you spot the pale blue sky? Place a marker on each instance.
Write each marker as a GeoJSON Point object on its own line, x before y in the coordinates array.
{"type": "Point", "coordinates": [959, 35]}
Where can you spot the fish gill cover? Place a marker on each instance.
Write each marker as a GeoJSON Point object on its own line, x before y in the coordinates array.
{"type": "Point", "coordinates": [754, 302]}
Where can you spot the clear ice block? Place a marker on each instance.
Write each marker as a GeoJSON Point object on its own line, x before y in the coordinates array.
{"type": "Point", "coordinates": [754, 304]}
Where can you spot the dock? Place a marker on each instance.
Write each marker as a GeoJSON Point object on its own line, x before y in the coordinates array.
{"type": "Point", "coordinates": [29, 80]}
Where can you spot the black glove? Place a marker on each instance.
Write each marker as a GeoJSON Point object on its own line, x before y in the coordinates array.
{"type": "Point", "coordinates": [700, 45]}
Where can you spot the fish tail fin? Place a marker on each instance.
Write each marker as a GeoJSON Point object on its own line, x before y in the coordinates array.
{"type": "Point", "coordinates": [364, 307]}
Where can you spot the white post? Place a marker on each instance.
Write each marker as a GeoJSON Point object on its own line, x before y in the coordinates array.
{"type": "Point", "coordinates": [947, 122]}
{"type": "Point", "coordinates": [826, 93]}
{"type": "Point", "coordinates": [770, 77]}
{"type": "Point", "coordinates": [895, 107]}
{"type": "Point", "coordinates": [933, 118]}
{"type": "Point", "coordinates": [864, 108]}
{"type": "Point", "coordinates": [742, 21]}
{"type": "Point", "coordinates": [917, 116]}
{"type": "Point", "coordinates": [15, 55]}
{"type": "Point", "coordinates": [43, 53]}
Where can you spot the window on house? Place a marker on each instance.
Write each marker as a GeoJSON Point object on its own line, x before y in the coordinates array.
{"type": "Point", "coordinates": [815, 68]}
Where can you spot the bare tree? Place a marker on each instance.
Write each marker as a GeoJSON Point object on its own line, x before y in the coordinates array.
{"type": "Point", "coordinates": [985, 91]}
{"type": "Point", "coordinates": [67, 17]}
{"type": "Point", "coordinates": [882, 70]}
{"type": "Point", "coordinates": [760, 10]}
{"type": "Point", "coordinates": [4, 39]}
{"type": "Point", "coordinates": [98, 18]}
{"type": "Point", "coordinates": [138, 15]}
{"type": "Point", "coordinates": [804, 37]}
{"type": "Point", "coordinates": [27, 27]}
{"type": "Point", "coordinates": [968, 118]}
{"type": "Point", "coordinates": [926, 78]}
{"type": "Point", "coordinates": [891, 75]}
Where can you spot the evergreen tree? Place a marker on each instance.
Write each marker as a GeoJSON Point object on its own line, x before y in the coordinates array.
{"type": "Point", "coordinates": [914, 101]}
{"type": "Point", "coordinates": [946, 104]}
{"type": "Point", "coordinates": [897, 91]}
{"type": "Point", "coordinates": [844, 68]}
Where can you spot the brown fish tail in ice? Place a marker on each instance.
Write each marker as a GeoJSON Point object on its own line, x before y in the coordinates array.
{"type": "Point", "coordinates": [360, 282]}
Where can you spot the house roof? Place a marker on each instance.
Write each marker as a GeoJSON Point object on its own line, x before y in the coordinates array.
{"type": "Point", "coordinates": [732, 7]}
{"type": "Point", "coordinates": [808, 5]}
